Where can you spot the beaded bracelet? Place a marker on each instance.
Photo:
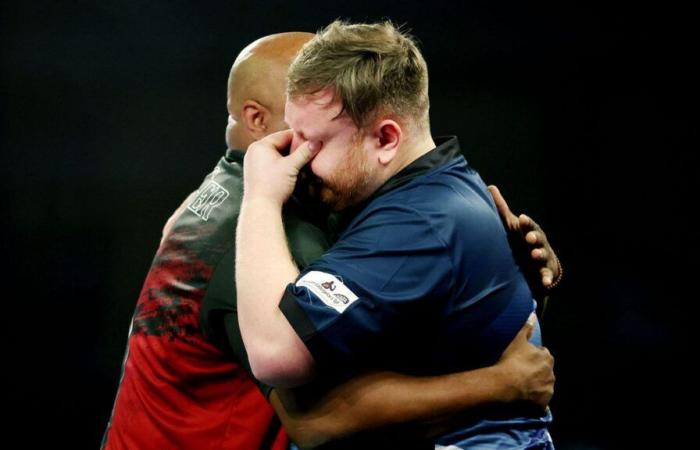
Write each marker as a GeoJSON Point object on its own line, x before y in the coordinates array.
{"type": "Point", "coordinates": [556, 282]}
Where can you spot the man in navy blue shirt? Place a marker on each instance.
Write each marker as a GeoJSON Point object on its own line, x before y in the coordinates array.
{"type": "Point", "coordinates": [421, 280]}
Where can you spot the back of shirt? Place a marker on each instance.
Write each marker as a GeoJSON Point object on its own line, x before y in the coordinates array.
{"type": "Point", "coordinates": [178, 389]}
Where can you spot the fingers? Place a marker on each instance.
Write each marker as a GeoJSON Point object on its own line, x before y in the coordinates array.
{"type": "Point", "coordinates": [527, 329]}
{"type": "Point", "coordinates": [533, 237]}
{"type": "Point", "coordinates": [303, 154]}
{"type": "Point", "coordinates": [509, 219]}
{"type": "Point", "coordinates": [528, 225]}
{"type": "Point", "coordinates": [501, 203]}
{"type": "Point", "coordinates": [539, 254]}
{"type": "Point", "coordinates": [541, 251]}
{"type": "Point", "coordinates": [533, 233]}
{"type": "Point", "coordinates": [550, 360]}
{"type": "Point", "coordinates": [280, 139]}
{"type": "Point", "coordinates": [550, 357]}
{"type": "Point", "coordinates": [526, 222]}
{"type": "Point", "coordinates": [531, 319]}
{"type": "Point", "coordinates": [547, 276]}
{"type": "Point", "coordinates": [530, 324]}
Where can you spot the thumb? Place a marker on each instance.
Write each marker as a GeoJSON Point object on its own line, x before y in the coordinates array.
{"type": "Point", "coordinates": [529, 326]}
{"type": "Point", "coordinates": [546, 276]}
{"type": "Point", "coordinates": [510, 220]}
{"type": "Point", "coordinates": [303, 154]}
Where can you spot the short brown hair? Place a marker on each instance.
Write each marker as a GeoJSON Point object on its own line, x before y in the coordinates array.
{"type": "Point", "coordinates": [373, 68]}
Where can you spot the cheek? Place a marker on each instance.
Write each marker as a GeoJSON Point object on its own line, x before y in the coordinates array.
{"type": "Point", "coordinates": [330, 160]}
{"type": "Point", "coordinates": [318, 166]}
{"type": "Point", "coordinates": [229, 134]}
{"type": "Point", "coordinates": [325, 164]}
{"type": "Point", "coordinates": [276, 124]}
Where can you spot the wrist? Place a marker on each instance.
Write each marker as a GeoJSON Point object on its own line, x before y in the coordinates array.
{"type": "Point", "coordinates": [505, 389]}
{"type": "Point", "coordinates": [256, 201]}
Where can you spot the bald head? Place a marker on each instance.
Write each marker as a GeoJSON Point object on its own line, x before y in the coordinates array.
{"type": "Point", "coordinates": [256, 87]}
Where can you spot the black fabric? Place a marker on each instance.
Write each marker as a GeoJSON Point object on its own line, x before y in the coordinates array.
{"type": "Point", "coordinates": [304, 222]}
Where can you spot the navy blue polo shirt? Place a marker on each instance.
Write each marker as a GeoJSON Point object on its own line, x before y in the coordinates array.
{"type": "Point", "coordinates": [422, 281]}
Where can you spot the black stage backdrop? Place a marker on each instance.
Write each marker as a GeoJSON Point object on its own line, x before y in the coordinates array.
{"type": "Point", "coordinates": [583, 115]}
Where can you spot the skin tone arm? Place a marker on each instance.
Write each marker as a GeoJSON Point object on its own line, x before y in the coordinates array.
{"type": "Point", "coordinates": [382, 399]}
{"type": "Point", "coordinates": [266, 330]}
{"type": "Point", "coordinates": [533, 252]}
{"type": "Point", "coordinates": [374, 400]}
{"type": "Point", "coordinates": [277, 355]}
{"type": "Point", "coordinates": [523, 228]}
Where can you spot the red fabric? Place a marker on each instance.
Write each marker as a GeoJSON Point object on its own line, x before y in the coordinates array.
{"type": "Point", "coordinates": [178, 391]}
{"type": "Point", "coordinates": [187, 395]}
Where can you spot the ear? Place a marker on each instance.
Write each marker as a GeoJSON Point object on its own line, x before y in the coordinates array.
{"type": "Point", "coordinates": [255, 117]}
{"type": "Point", "coordinates": [388, 135]}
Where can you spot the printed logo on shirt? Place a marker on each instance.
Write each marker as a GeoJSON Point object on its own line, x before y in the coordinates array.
{"type": "Point", "coordinates": [207, 199]}
{"type": "Point", "coordinates": [329, 289]}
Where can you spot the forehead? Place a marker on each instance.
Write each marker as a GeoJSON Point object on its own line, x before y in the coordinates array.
{"type": "Point", "coordinates": [317, 112]}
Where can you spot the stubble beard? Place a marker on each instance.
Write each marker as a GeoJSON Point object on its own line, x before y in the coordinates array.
{"type": "Point", "coordinates": [348, 185]}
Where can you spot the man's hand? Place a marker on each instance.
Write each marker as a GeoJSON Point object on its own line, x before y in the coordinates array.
{"type": "Point", "coordinates": [269, 175]}
{"type": "Point", "coordinates": [276, 353]}
{"type": "Point", "coordinates": [525, 230]}
{"type": "Point", "coordinates": [528, 368]}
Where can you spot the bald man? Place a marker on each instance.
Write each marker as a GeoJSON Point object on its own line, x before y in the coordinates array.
{"type": "Point", "coordinates": [186, 381]}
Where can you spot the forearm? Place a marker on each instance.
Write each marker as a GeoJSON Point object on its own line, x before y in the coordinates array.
{"type": "Point", "coordinates": [264, 267]}
{"type": "Point", "coordinates": [383, 399]}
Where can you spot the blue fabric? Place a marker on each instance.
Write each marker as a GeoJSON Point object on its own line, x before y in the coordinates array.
{"type": "Point", "coordinates": [438, 292]}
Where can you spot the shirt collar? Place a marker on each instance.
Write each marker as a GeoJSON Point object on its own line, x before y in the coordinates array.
{"type": "Point", "coordinates": [235, 155]}
{"type": "Point", "coordinates": [446, 150]}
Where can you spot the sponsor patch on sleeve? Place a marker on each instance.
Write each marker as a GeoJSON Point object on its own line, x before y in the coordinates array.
{"type": "Point", "coordinates": [329, 289]}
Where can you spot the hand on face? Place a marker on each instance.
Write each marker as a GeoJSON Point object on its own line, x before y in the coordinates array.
{"type": "Point", "coordinates": [268, 174]}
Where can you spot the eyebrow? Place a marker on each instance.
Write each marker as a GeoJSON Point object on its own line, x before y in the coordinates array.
{"type": "Point", "coordinates": [305, 134]}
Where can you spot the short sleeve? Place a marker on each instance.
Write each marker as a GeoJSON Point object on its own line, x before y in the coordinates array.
{"type": "Point", "coordinates": [372, 290]}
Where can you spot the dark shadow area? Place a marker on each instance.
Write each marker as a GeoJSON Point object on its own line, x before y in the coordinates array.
{"type": "Point", "coordinates": [112, 112]}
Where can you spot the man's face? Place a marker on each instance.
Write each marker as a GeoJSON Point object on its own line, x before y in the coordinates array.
{"type": "Point", "coordinates": [229, 132]}
{"type": "Point", "coordinates": [231, 122]}
{"type": "Point", "coordinates": [239, 137]}
{"type": "Point", "coordinates": [341, 166]}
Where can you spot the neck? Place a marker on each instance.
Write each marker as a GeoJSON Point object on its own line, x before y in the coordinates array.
{"type": "Point", "coordinates": [240, 140]}
{"type": "Point", "coordinates": [411, 150]}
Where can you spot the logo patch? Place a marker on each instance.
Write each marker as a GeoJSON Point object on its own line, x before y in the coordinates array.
{"type": "Point", "coordinates": [208, 198]}
{"type": "Point", "coordinates": [329, 289]}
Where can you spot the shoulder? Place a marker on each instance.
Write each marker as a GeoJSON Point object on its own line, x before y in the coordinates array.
{"type": "Point", "coordinates": [451, 200]}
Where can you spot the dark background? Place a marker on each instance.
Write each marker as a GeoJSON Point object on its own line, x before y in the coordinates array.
{"type": "Point", "coordinates": [583, 114]}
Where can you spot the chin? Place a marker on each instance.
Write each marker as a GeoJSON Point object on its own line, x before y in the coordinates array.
{"type": "Point", "coordinates": [329, 197]}
{"type": "Point", "coordinates": [336, 201]}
